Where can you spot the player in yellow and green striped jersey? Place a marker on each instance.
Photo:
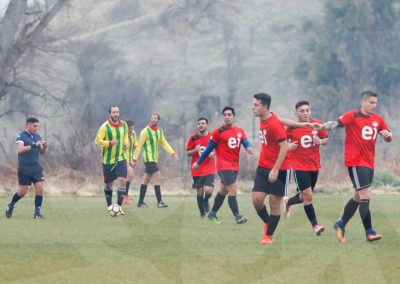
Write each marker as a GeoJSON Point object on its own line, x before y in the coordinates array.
{"type": "Point", "coordinates": [112, 136]}
{"type": "Point", "coordinates": [132, 144]}
{"type": "Point", "coordinates": [151, 137]}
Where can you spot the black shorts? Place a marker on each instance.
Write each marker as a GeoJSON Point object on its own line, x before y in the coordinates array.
{"type": "Point", "coordinates": [113, 171]}
{"type": "Point", "coordinates": [202, 181]}
{"type": "Point", "coordinates": [279, 187]}
{"type": "Point", "coordinates": [151, 167]}
{"type": "Point", "coordinates": [30, 173]}
{"type": "Point", "coordinates": [361, 177]}
{"type": "Point", "coordinates": [305, 179]}
{"type": "Point", "coordinates": [228, 177]}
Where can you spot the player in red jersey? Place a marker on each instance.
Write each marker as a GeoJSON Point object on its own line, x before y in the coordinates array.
{"type": "Point", "coordinates": [273, 173]}
{"type": "Point", "coordinates": [362, 129]}
{"type": "Point", "coordinates": [203, 178]}
{"type": "Point", "coordinates": [305, 160]}
{"type": "Point", "coordinates": [226, 140]}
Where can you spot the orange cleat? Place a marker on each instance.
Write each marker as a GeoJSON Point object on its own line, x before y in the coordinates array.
{"type": "Point", "coordinates": [318, 229]}
{"type": "Point", "coordinates": [126, 200]}
{"type": "Point", "coordinates": [267, 240]}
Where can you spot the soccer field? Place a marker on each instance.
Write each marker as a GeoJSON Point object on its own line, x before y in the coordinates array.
{"type": "Point", "coordinates": [80, 243]}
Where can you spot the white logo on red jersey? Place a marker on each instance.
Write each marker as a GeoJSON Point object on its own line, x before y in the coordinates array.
{"type": "Point", "coordinates": [202, 148]}
{"type": "Point", "coordinates": [263, 137]}
{"type": "Point", "coordinates": [234, 142]}
{"type": "Point", "coordinates": [369, 133]}
{"type": "Point", "coordinates": [306, 141]}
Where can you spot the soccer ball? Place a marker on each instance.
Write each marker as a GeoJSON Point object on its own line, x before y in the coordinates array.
{"type": "Point", "coordinates": [114, 210]}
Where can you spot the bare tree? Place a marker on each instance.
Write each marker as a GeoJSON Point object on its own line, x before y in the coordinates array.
{"type": "Point", "coordinates": [20, 29]}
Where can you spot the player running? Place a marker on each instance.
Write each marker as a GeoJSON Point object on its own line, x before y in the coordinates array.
{"type": "Point", "coordinates": [132, 144]}
{"type": "Point", "coordinates": [150, 138]}
{"type": "Point", "coordinates": [203, 178]}
{"type": "Point", "coordinates": [112, 136]}
{"type": "Point", "coordinates": [362, 129]}
{"type": "Point", "coordinates": [305, 161]}
{"type": "Point", "coordinates": [226, 140]}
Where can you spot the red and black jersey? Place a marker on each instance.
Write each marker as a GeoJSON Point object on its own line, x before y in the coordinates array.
{"type": "Point", "coordinates": [208, 166]}
{"type": "Point", "coordinates": [306, 156]}
{"type": "Point", "coordinates": [272, 132]}
{"type": "Point", "coordinates": [228, 142]}
{"type": "Point", "coordinates": [361, 134]}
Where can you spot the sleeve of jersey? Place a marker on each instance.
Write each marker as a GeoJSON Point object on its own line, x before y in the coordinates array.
{"type": "Point", "coordinates": [322, 134]}
{"type": "Point", "coordinates": [383, 125]}
{"type": "Point", "coordinates": [142, 140]}
{"type": "Point", "coordinates": [211, 145]}
{"type": "Point", "coordinates": [101, 134]}
{"type": "Point", "coordinates": [346, 118]}
{"type": "Point", "coordinates": [19, 139]}
{"type": "Point", "coordinates": [279, 133]}
{"type": "Point", "coordinates": [135, 141]}
{"type": "Point", "coordinates": [164, 143]}
{"type": "Point", "coordinates": [246, 143]}
{"type": "Point", "coordinates": [126, 132]}
{"type": "Point", "coordinates": [190, 145]}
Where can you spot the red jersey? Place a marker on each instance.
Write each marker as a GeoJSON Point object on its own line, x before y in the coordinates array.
{"type": "Point", "coordinates": [208, 166]}
{"type": "Point", "coordinates": [306, 156]}
{"type": "Point", "coordinates": [228, 142]}
{"type": "Point", "coordinates": [272, 132]}
{"type": "Point", "coordinates": [361, 134]}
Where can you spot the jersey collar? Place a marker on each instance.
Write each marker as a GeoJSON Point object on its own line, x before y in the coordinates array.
{"type": "Point", "coordinates": [113, 125]}
{"type": "Point", "coordinates": [153, 128]}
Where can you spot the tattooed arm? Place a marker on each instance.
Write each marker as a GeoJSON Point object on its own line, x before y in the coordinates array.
{"type": "Point", "coordinates": [331, 125]}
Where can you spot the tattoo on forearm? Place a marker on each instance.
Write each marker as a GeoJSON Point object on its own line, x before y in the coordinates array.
{"type": "Point", "coordinates": [330, 125]}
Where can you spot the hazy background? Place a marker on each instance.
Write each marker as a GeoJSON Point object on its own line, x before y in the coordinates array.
{"type": "Point", "coordinates": [67, 61]}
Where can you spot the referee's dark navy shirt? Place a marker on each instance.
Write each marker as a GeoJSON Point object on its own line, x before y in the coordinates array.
{"type": "Point", "coordinates": [32, 156]}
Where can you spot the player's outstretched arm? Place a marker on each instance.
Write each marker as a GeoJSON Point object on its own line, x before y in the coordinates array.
{"type": "Point", "coordinates": [247, 145]}
{"type": "Point", "coordinates": [330, 125]}
{"type": "Point", "coordinates": [293, 123]}
{"type": "Point", "coordinates": [387, 135]}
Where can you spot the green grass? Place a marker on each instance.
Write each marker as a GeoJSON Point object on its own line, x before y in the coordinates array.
{"type": "Point", "coordinates": [80, 243]}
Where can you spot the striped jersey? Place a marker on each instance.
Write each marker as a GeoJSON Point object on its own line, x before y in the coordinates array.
{"type": "Point", "coordinates": [108, 132]}
{"type": "Point", "coordinates": [132, 144]}
{"type": "Point", "coordinates": [150, 139]}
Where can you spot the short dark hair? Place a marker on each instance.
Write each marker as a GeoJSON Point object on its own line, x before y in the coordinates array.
{"type": "Point", "coordinates": [32, 120]}
{"type": "Point", "coordinates": [301, 103]}
{"type": "Point", "coordinates": [129, 122]}
{"type": "Point", "coordinates": [203, 118]}
{"type": "Point", "coordinates": [156, 113]}
{"type": "Point", "coordinates": [368, 94]}
{"type": "Point", "coordinates": [228, 108]}
{"type": "Point", "coordinates": [109, 110]}
{"type": "Point", "coordinates": [264, 98]}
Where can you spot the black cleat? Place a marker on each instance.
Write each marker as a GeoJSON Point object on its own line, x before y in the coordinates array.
{"type": "Point", "coordinates": [9, 210]}
{"type": "Point", "coordinates": [38, 216]}
{"type": "Point", "coordinates": [142, 205]}
{"type": "Point", "coordinates": [161, 204]}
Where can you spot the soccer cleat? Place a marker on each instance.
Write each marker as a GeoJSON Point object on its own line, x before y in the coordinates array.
{"type": "Point", "coordinates": [213, 217]}
{"type": "Point", "coordinates": [142, 205]}
{"type": "Point", "coordinates": [9, 210]}
{"type": "Point", "coordinates": [161, 204]}
{"type": "Point", "coordinates": [240, 219]}
{"type": "Point", "coordinates": [202, 216]}
{"type": "Point", "coordinates": [38, 216]}
{"type": "Point", "coordinates": [267, 240]}
{"type": "Point", "coordinates": [372, 236]}
{"type": "Point", "coordinates": [286, 207]}
{"type": "Point", "coordinates": [318, 230]}
{"type": "Point", "coordinates": [206, 206]}
{"type": "Point", "coordinates": [126, 200]}
{"type": "Point", "coordinates": [340, 230]}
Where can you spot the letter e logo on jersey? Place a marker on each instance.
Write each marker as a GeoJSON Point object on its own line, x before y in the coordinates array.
{"type": "Point", "coordinates": [234, 142]}
{"type": "Point", "coordinates": [369, 133]}
{"type": "Point", "coordinates": [202, 148]}
{"type": "Point", "coordinates": [306, 141]}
